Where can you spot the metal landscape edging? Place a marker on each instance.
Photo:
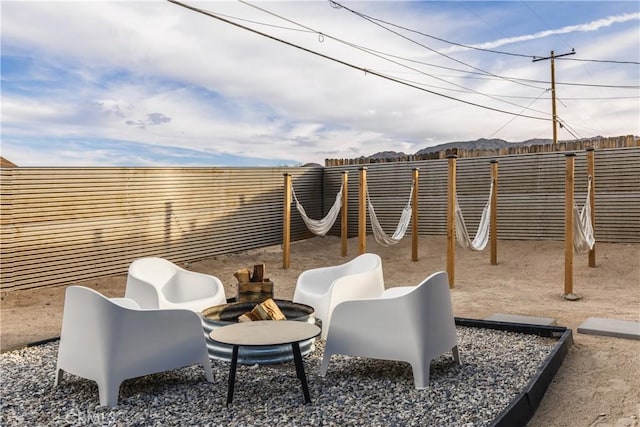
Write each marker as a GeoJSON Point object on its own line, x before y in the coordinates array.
{"type": "Point", "coordinates": [524, 405]}
{"type": "Point", "coordinates": [522, 408]}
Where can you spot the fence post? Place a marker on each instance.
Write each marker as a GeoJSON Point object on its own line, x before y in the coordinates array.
{"type": "Point", "coordinates": [362, 212]}
{"type": "Point", "coordinates": [345, 197]}
{"type": "Point", "coordinates": [451, 223]}
{"type": "Point", "coordinates": [414, 219]}
{"type": "Point", "coordinates": [493, 231]}
{"type": "Point", "coordinates": [286, 226]}
{"type": "Point", "coordinates": [591, 171]}
{"type": "Point", "coordinates": [568, 226]}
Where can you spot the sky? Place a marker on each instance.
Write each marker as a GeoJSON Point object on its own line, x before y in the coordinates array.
{"type": "Point", "coordinates": [285, 83]}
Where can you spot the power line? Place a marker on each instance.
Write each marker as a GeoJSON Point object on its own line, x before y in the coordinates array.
{"type": "Point", "coordinates": [584, 84]}
{"type": "Point", "coordinates": [281, 27]}
{"type": "Point", "coordinates": [347, 64]}
{"type": "Point", "coordinates": [468, 91]}
{"type": "Point", "coordinates": [375, 22]}
{"type": "Point", "coordinates": [380, 55]}
{"type": "Point", "coordinates": [573, 132]}
{"type": "Point", "coordinates": [485, 77]}
{"type": "Point", "coordinates": [596, 98]}
{"type": "Point", "coordinates": [383, 55]}
{"type": "Point", "coordinates": [608, 61]}
{"type": "Point", "coordinates": [371, 18]}
{"type": "Point", "coordinates": [515, 117]}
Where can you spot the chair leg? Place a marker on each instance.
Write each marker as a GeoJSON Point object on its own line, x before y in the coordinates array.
{"type": "Point", "coordinates": [421, 373]}
{"type": "Point", "coordinates": [206, 364]}
{"type": "Point", "coordinates": [108, 393]}
{"type": "Point", "coordinates": [325, 363]}
{"type": "Point", "coordinates": [456, 354]}
{"type": "Point", "coordinates": [59, 374]}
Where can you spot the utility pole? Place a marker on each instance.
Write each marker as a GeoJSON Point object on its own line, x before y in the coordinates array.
{"type": "Point", "coordinates": [553, 89]}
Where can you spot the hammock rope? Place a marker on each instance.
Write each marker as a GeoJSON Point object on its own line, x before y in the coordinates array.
{"type": "Point", "coordinates": [583, 236]}
{"type": "Point", "coordinates": [481, 238]}
{"type": "Point", "coordinates": [320, 227]}
{"type": "Point", "coordinates": [378, 232]}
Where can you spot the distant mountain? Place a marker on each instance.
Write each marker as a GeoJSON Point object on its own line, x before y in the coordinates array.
{"type": "Point", "coordinates": [483, 144]}
{"type": "Point", "coordinates": [480, 144]}
{"type": "Point", "coordinates": [386, 155]}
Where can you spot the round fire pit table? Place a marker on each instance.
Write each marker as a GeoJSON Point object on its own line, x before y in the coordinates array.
{"type": "Point", "coordinates": [227, 314]}
{"type": "Point", "coordinates": [266, 333]}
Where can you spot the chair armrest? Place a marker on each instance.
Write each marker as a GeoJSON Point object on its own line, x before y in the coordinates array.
{"type": "Point", "coordinates": [397, 291]}
{"type": "Point", "coordinates": [321, 276]}
{"type": "Point", "coordinates": [155, 340]}
{"type": "Point", "coordinates": [145, 293]}
{"type": "Point", "coordinates": [368, 314]}
{"type": "Point", "coordinates": [186, 286]}
{"type": "Point", "coordinates": [126, 303]}
{"type": "Point", "coordinates": [371, 327]}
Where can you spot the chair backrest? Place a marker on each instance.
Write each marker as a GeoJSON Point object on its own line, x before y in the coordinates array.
{"type": "Point", "coordinates": [429, 307]}
{"type": "Point", "coordinates": [187, 285]}
{"type": "Point", "coordinates": [362, 263]}
{"type": "Point", "coordinates": [108, 341]}
{"type": "Point", "coordinates": [146, 278]}
{"type": "Point", "coordinates": [362, 277]}
{"type": "Point", "coordinates": [153, 270]}
{"type": "Point", "coordinates": [88, 322]}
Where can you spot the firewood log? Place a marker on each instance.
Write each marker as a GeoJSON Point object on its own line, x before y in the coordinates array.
{"type": "Point", "coordinates": [267, 310]}
{"type": "Point", "coordinates": [242, 275]}
{"type": "Point", "coordinates": [258, 273]}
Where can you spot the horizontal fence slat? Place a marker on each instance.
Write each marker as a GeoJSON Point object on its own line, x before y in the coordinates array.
{"type": "Point", "coordinates": [61, 225]}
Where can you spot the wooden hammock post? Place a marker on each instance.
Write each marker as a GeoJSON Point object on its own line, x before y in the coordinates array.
{"type": "Point", "coordinates": [568, 226]}
{"type": "Point", "coordinates": [414, 217]}
{"type": "Point", "coordinates": [345, 197]}
{"type": "Point", "coordinates": [286, 226]}
{"type": "Point", "coordinates": [362, 212]}
{"type": "Point", "coordinates": [451, 223]}
{"type": "Point", "coordinates": [493, 231]}
{"type": "Point", "coordinates": [591, 169]}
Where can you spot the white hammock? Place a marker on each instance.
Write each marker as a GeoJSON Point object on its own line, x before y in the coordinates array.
{"type": "Point", "coordinates": [322, 226]}
{"type": "Point", "coordinates": [583, 238]}
{"type": "Point", "coordinates": [381, 237]}
{"type": "Point", "coordinates": [481, 238]}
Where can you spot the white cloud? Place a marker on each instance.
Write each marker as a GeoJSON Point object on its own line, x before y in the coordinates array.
{"type": "Point", "coordinates": [159, 74]}
{"type": "Point", "coordinates": [589, 26]}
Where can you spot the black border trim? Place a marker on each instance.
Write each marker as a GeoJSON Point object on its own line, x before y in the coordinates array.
{"type": "Point", "coordinates": [521, 409]}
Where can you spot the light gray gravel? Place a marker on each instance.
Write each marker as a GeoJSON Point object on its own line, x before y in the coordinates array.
{"type": "Point", "coordinates": [496, 366]}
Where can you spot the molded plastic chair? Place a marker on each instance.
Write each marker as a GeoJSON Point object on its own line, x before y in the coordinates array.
{"type": "Point", "coordinates": [110, 340]}
{"type": "Point", "coordinates": [411, 324]}
{"type": "Point", "coordinates": [325, 287]}
{"type": "Point", "coordinates": [158, 283]}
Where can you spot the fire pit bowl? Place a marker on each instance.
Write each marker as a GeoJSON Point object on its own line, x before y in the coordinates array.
{"type": "Point", "coordinates": [226, 314]}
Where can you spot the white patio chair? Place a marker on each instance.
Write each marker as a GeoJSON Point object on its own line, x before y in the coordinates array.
{"type": "Point", "coordinates": [158, 283]}
{"type": "Point", "coordinates": [109, 341]}
{"type": "Point", "coordinates": [325, 287]}
{"type": "Point", "coordinates": [411, 324]}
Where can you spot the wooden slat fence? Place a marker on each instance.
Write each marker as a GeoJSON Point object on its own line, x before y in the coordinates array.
{"type": "Point", "coordinates": [599, 143]}
{"type": "Point", "coordinates": [66, 224]}
{"type": "Point", "coordinates": [530, 187]}
{"type": "Point", "coordinates": [60, 225]}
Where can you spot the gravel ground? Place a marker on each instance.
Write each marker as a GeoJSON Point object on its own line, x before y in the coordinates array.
{"type": "Point", "coordinates": [496, 366]}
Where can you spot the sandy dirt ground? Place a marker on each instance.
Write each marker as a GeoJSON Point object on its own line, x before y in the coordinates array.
{"type": "Point", "coordinates": [598, 383]}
